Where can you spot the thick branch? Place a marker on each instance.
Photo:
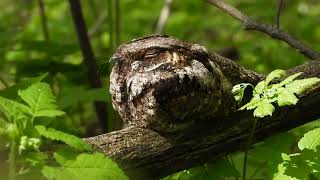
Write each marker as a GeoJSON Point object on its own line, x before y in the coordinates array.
{"type": "Point", "coordinates": [272, 31]}
{"type": "Point", "coordinates": [145, 154]}
{"type": "Point", "coordinates": [89, 59]}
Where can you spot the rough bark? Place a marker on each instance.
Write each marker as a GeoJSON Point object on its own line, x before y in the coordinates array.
{"type": "Point", "coordinates": [146, 154]}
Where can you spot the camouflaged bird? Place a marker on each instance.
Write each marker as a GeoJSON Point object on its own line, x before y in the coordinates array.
{"type": "Point", "coordinates": [165, 84]}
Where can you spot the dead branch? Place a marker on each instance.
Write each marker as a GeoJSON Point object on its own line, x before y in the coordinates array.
{"type": "Point", "coordinates": [272, 31]}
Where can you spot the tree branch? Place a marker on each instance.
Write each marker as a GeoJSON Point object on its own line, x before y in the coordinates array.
{"type": "Point", "coordinates": [89, 59]}
{"type": "Point", "coordinates": [146, 154]}
{"type": "Point", "coordinates": [274, 32]}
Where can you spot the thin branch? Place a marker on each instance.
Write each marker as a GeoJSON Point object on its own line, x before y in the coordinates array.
{"type": "Point", "coordinates": [89, 59]}
{"type": "Point", "coordinates": [117, 22]}
{"type": "Point", "coordinates": [164, 14]}
{"type": "Point", "coordinates": [277, 18]}
{"type": "Point", "coordinates": [43, 20]}
{"type": "Point", "coordinates": [111, 20]}
{"type": "Point", "coordinates": [250, 24]}
{"type": "Point", "coordinates": [97, 24]}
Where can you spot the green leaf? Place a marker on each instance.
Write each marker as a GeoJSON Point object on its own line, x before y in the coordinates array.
{"type": "Point", "coordinates": [12, 110]}
{"type": "Point", "coordinates": [303, 165]}
{"type": "Point", "coordinates": [41, 100]}
{"type": "Point", "coordinates": [286, 97]}
{"type": "Point", "coordinates": [310, 140]}
{"type": "Point", "coordinates": [85, 166]}
{"type": "Point", "coordinates": [254, 102]}
{"type": "Point", "coordinates": [301, 85]}
{"type": "Point", "coordinates": [280, 175]}
{"type": "Point", "coordinates": [238, 91]}
{"type": "Point", "coordinates": [275, 74]}
{"type": "Point", "coordinates": [69, 139]}
{"type": "Point", "coordinates": [264, 108]}
{"type": "Point", "coordinates": [260, 87]}
{"type": "Point", "coordinates": [12, 91]}
{"type": "Point", "coordinates": [288, 79]}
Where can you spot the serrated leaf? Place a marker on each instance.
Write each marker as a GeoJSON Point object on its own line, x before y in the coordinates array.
{"type": "Point", "coordinates": [301, 85]}
{"type": "Point", "coordinates": [12, 110]}
{"type": "Point", "coordinates": [286, 97]}
{"type": "Point", "coordinates": [11, 92]}
{"type": "Point", "coordinates": [274, 74]}
{"type": "Point", "coordinates": [41, 100]}
{"type": "Point", "coordinates": [86, 166]}
{"type": "Point", "coordinates": [288, 79]}
{"type": "Point", "coordinates": [254, 102]}
{"type": "Point", "coordinates": [310, 140]}
{"type": "Point", "coordinates": [259, 88]}
{"type": "Point", "coordinates": [265, 108]}
{"type": "Point", "coordinates": [69, 139]}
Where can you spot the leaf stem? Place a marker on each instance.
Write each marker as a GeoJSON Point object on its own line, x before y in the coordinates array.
{"type": "Point", "coordinates": [245, 158]}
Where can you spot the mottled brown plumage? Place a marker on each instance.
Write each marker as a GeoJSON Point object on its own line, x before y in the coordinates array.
{"type": "Point", "coordinates": [165, 84]}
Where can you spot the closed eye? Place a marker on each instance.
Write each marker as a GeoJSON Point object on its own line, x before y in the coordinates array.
{"type": "Point", "coordinates": [153, 53]}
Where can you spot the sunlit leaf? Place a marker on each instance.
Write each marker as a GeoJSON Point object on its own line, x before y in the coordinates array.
{"type": "Point", "coordinates": [69, 139]}
{"type": "Point", "coordinates": [286, 97]}
{"type": "Point", "coordinates": [264, 108]}
{"type": "Point", "coordinates": [85, 166]}
{"type": "Point", "coordinates": [301, 85]}
{"type": "Point", "coordinates": [274, 74]}
{"type": "Point", "coordinates": [310, 140]}
{"type": "Point", "coordinates": [41, 100]}
{"type": "Point", "coordinates": [260, 87]}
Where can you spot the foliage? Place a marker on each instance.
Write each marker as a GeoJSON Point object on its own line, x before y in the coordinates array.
{"type": "Point", "coordinates": [24, 52]}
{"type": "Point", "coordinates": [306, 163]}
{"type": "Point", "coordinates": [26, 135]}
{"type": "Point", "coordinates": [82, 167]}
{"type": "Point", "coordinates": [264, 94]}
{"type": "Point", "coordinates": [220, 169]}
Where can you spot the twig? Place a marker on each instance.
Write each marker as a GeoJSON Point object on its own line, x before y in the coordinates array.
{"type": "Point", "coordinates": [250, 24]}
{"type": "Point", "coordinates": [165, 11]}
{"type": "Point", "coordinates": [98, 23]}
{"type": "Point", "coordinates": [43, 20]}
{"type": "Point", "coordinates": [117, 22]}
{"type": "Point", "coordinates": [277, 18]}
{"type": "Point", "coordinates": [89, 59]}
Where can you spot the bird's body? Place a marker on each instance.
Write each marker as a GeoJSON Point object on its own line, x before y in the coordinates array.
{"type": "Point", "coordinates": [165, 84]}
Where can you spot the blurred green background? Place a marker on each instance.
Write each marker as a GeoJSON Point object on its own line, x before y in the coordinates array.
{"type": "Point", "coordinates": [25, 52]}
